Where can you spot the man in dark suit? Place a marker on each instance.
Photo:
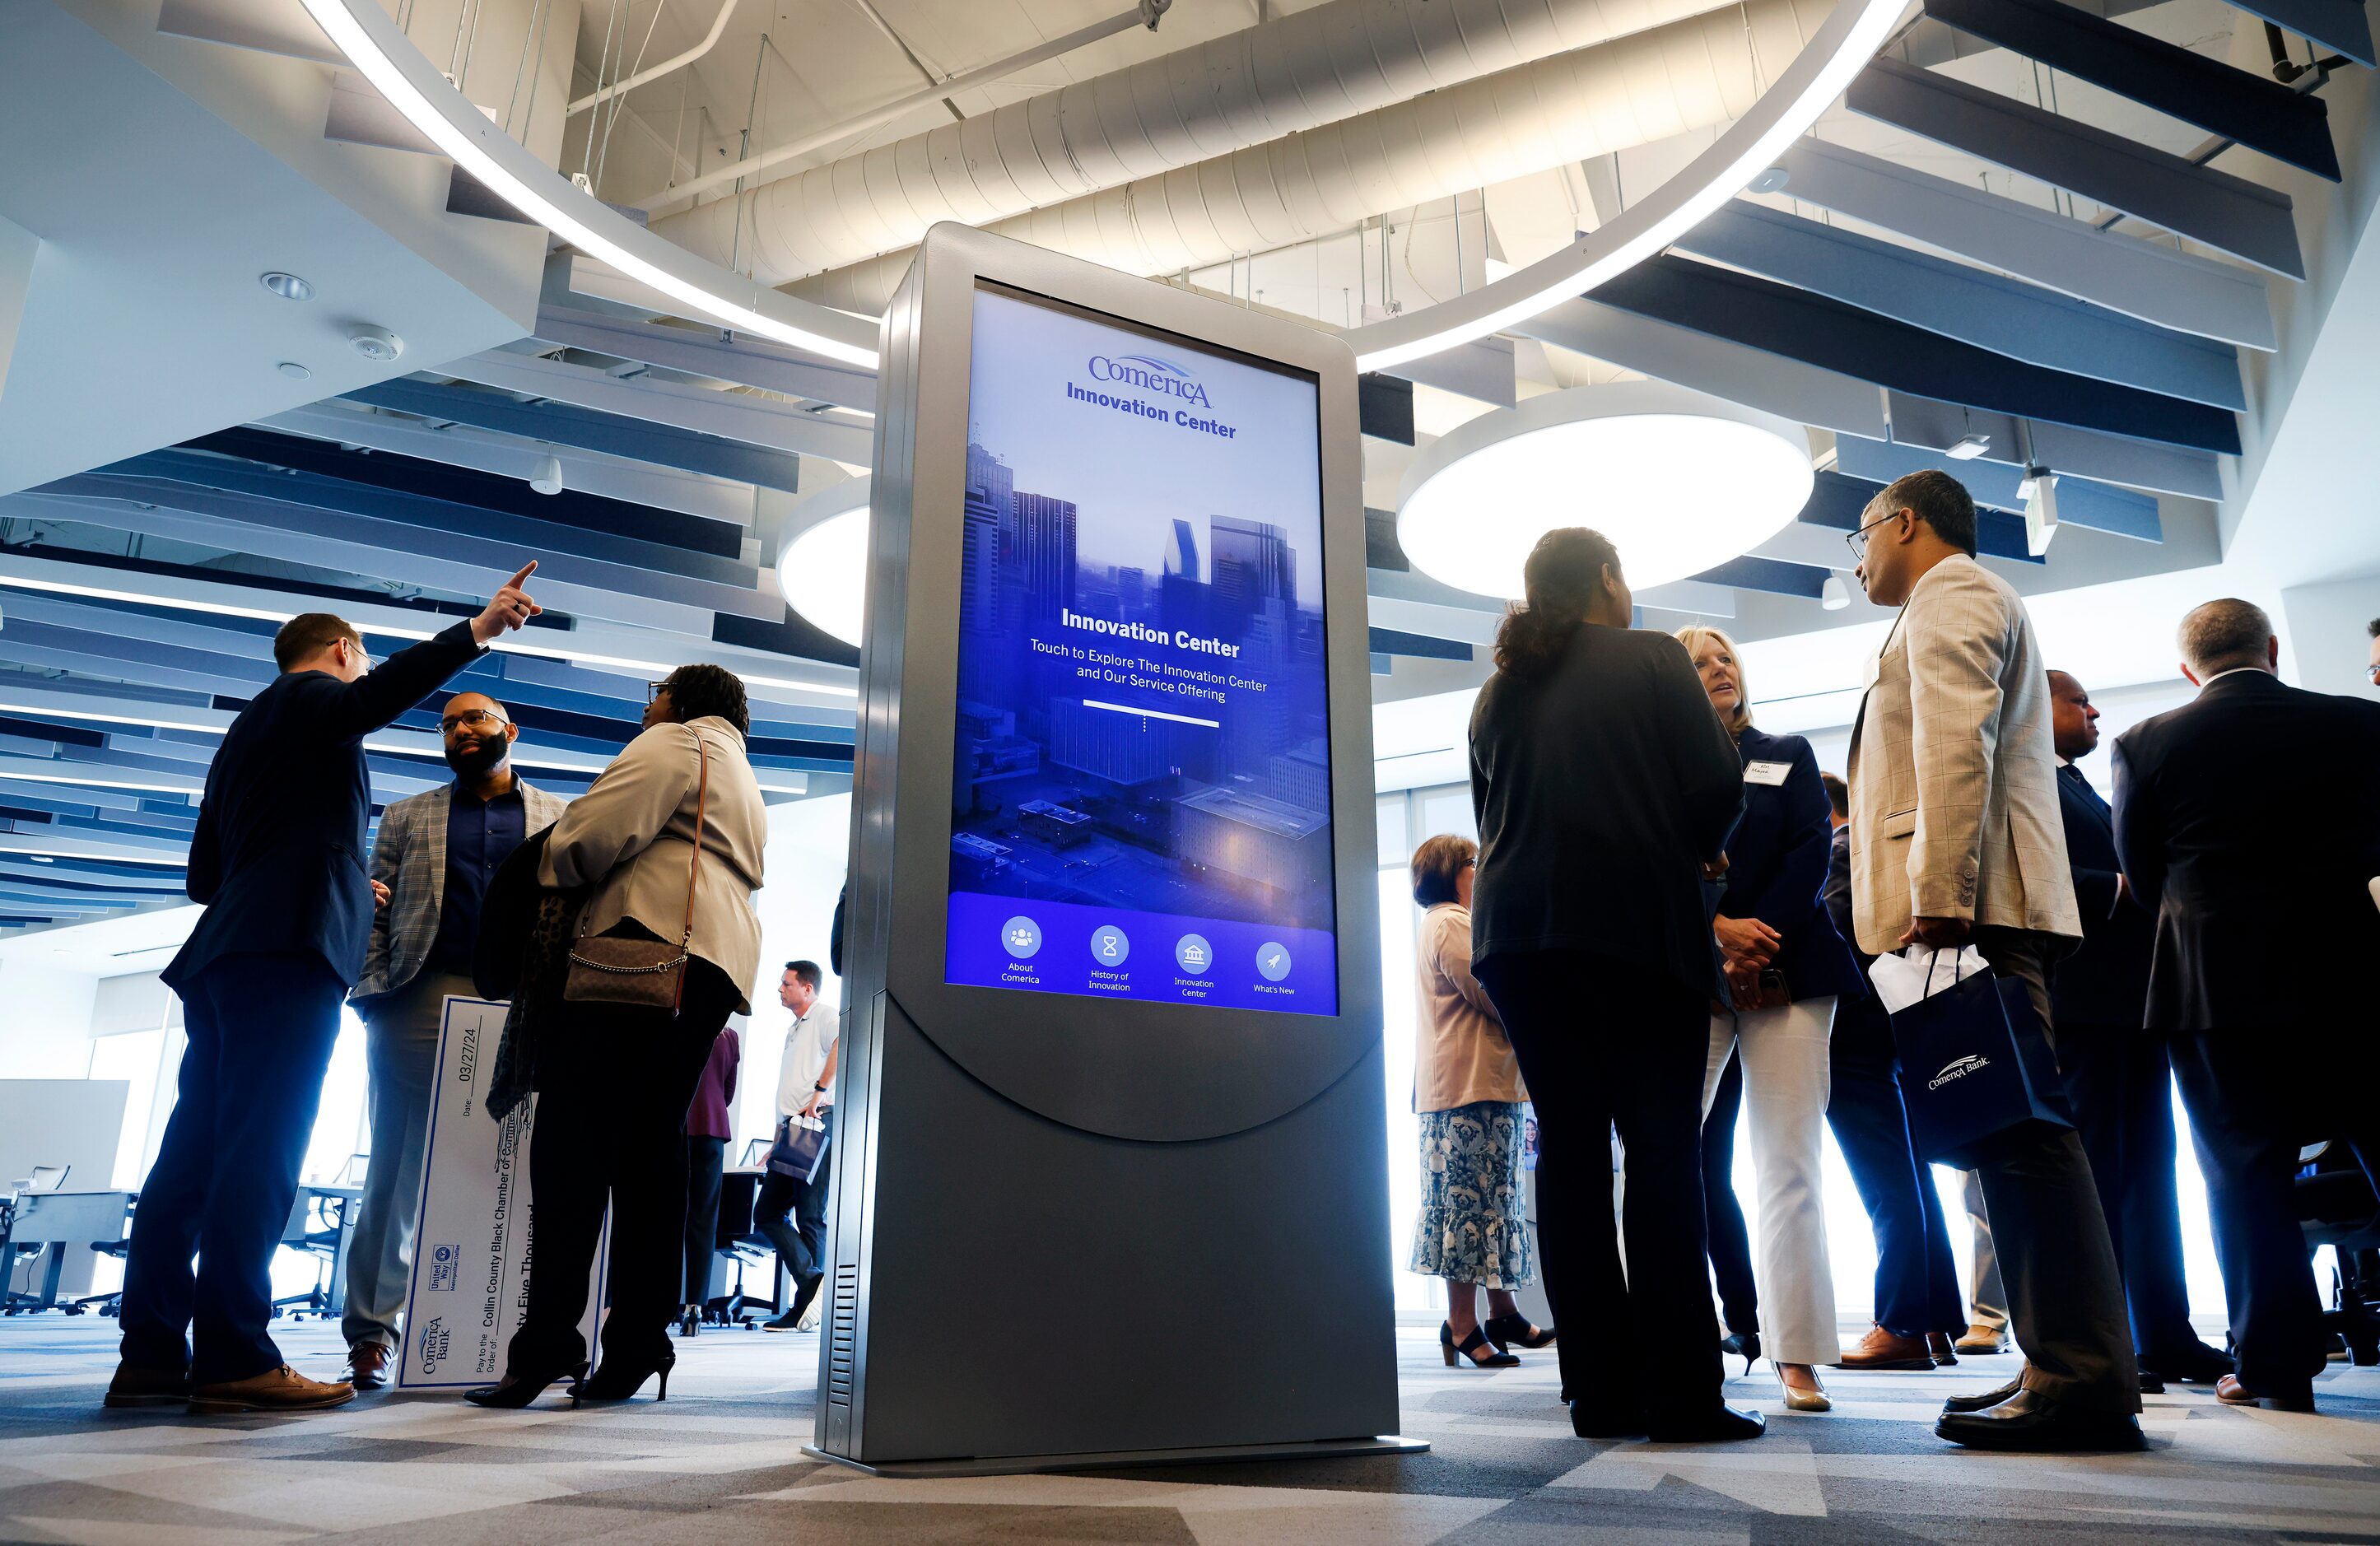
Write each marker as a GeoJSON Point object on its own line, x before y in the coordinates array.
{"type": "Point", "coordinates": [278, 862]}
{"type": "Point", "coordinates": [2117, 1075]}
{"type": "Point", "coordinates": [2247, 820]}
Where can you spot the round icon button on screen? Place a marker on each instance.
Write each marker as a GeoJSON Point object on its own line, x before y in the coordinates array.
{"type": "Point", "coordinates": [1109, 946]}
{"type": "Point", "coordinates": [1193, 955]}
{"type": "Point", "coordinates": [1272, 960]}
{"type": "Point", "coordinates": [1021, 937]}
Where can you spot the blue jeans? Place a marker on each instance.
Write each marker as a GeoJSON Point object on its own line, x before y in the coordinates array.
{"type": "Point", "coordinates": [260, 1032]}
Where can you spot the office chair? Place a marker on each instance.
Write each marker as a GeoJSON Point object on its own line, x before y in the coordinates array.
{"type": "Point", "coordinates": [2340, 1207]}
{"type": "Point", "coordinates": [317, 1226]}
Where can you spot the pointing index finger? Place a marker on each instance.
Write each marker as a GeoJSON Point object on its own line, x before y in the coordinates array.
{"type": "Point", "coordinates": [527, 570]}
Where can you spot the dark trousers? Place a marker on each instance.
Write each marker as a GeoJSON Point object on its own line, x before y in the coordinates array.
{"type": "Point", "coordinates": [611, 1128]}
{"type": "Point", "coordinates": [2252, 1106]}
{"type": "Point", "coordinates": [1916, 1277]}
{"type": "Point", "coordinates": [705, 1158]}
{"type": "Point", "coordinates": [260, 1030]}
{"type": "Point", "coordinates": [2066, 1298]}
{"type": "Point", "coordinates": [1602, 1043]}
{"type": "Point", "coordinates": [2119, 1082]}
{"type": "Point", "coordinates": [1731, 1243]}
{"type": "Point", "coordinates": [800, 1240]}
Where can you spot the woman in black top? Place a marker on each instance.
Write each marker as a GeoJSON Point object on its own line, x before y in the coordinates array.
{"type": "Point", "coordinates": [1605, 789]}
{"type": "Point", "coordinates": [1788, 966]}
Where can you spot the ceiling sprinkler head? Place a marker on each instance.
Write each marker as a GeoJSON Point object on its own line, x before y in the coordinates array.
{"type": "Point", "coordinates": [294, 371]}
{"type": "Point", "coordinates": [375, 344]}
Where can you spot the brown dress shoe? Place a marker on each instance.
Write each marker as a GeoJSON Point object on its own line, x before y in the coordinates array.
{"type": "Point", "coordinates": [1883, 1350]}
{"type": "Point", "coordinates": [275, 1390]}
{"type": "Point", "coordinates": [1981, 1338]}
{"type": "Point", "coordinates": [1938, 1345]}
{"type": "Point", "coordinates": [368, 1365]}
{"type": "Point", "coordinates": [147, 1387]}
{"type": "Point", "coordinates": [2231, 1393]}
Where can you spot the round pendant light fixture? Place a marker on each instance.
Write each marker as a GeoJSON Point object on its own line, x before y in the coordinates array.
{"type": "Point", "coordinates": [822, 569]}
{"type": "Point", "coordinates": [1679, 483]}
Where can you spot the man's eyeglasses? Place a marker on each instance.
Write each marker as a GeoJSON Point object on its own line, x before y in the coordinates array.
{"type": "Point", "coordinates": [1857, 541]}
{"type": "Point", "coordinates": [478, 719]}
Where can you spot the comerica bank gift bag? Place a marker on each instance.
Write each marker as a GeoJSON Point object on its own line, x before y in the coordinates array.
{"type": "Point", "coordinates": [1975, 1062]}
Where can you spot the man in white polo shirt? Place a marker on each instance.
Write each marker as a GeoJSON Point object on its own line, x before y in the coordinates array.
{"type": "Point", "coordinates": [804, 1099]}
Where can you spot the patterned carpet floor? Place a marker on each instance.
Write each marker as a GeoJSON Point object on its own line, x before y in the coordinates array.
{"type": "Point", "coordinates": [720, 1463]}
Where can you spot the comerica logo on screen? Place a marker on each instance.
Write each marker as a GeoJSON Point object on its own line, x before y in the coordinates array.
{"type": "Point", "coordinates": [1150, 374]}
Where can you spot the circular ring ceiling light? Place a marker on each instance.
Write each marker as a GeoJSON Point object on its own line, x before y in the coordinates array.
{"type": "Point", "coordinates": [1678, 481]}
{"type": "Point", "coordinates": [822, 571]}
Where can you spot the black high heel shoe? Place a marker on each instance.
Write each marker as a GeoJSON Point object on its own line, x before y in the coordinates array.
{"type": "Point", "coordinates": [1744, 1345]}
{"type": "Point", "coordinates": [1514, 1330]}
{"type": "Point", "coordinates": [516, 1391]}
{"type": "Point", "coordinates": [1470, 1348]}
{"type": "Point", "coordinates": [617, 1380]}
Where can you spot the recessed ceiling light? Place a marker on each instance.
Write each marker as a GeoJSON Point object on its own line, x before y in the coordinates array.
{"type": "Point", "coordinates": [375, 344]}
{"type": "Point", "coordinates": [1611, 457]}
{"type": "Point", "coordinates": [288, 286]}
{"type": "Point", "coordinates": [822, 572]}
{"type": "Point", "coordinates": [294, 371]}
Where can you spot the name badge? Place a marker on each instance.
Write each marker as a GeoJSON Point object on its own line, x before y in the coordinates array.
{"type": "Point", "coordinates": [1767, 773]}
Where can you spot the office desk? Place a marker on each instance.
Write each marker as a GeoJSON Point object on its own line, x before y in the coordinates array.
{"type": "Point", "coordinates": [60, 1222]}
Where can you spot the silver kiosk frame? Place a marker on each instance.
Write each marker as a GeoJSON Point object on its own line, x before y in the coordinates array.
{"type": "Point", "coordinates": [1187, 1175]}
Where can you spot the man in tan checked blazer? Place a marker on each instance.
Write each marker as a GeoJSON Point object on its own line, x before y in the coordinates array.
{"type": "Point", "coordinates": [1957, 839]}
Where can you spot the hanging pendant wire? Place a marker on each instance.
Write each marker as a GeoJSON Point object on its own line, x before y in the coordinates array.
{"type": "Point", "coordinates": [602, 64]}
{"type": "Point", "coordinates": [619, 102]}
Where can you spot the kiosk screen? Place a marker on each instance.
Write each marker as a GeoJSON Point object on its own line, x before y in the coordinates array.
{"type": "Point", "coordinates": [1141, 796]}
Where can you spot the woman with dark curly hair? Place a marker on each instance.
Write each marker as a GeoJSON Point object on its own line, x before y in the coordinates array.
{"type": "Point", "coordinates": [666, 844]}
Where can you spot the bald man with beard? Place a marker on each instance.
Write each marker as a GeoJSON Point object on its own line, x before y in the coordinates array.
{"type": "Point", "coordinates": [430, 862]}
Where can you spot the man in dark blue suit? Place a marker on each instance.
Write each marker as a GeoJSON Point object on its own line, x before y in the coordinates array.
{"type": "Point", "coordinates": [278, 862]}
{"type": "Point", "coordinates": [2118, 1077]}
{"type": "Point", "coordinates": [2247, 820]}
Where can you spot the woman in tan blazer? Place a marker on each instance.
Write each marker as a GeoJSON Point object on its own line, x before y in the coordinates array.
{"type": "Point", "coordinates": [614, 1081]}
{"type": "Point", "coordinates": [1473, 1229]}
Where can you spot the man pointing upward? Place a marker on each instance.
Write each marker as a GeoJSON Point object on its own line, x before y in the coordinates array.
{"type": "Point", "coordinates": [278, 862]}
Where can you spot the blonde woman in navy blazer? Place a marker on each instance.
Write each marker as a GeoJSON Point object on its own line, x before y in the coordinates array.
{"type": "Point", "coordinates": [1786, 966]}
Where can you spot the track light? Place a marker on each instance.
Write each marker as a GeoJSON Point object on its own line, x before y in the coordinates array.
{"type": "Point", "coordinates": [1834, 595]}
{"type": "Point", "coordinates": [2039, 492]}
{"type": "Point", "coordinates": [547, 479]}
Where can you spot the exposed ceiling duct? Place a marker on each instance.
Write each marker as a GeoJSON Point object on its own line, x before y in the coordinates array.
{"type": "Point", "coordinates": [1687, 75]}
{"type": "Point", "coordinates": [1333, 62]}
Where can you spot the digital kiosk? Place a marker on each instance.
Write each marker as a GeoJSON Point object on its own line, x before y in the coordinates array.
{"type": "Point", "coordinates": [1110, 1148]}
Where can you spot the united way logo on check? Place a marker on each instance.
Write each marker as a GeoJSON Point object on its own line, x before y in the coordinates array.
{"type": "Point", "coordinates": [444, 1262]}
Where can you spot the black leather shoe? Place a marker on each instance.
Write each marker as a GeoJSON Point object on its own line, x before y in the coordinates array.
{"type": "Point", "coordinates": [2033, 1422]}
{"type": "Point", "coordinates": [1984, 1401]}
{"type": "Point", "coordinates": [2201, 1365]}
{"type": "Point", "coordinates": [1591, 1419]}
{"type": "Point", "coordinates": [2151, 1385]}
{"type": "Point", "coordinates": [1716, 1424]}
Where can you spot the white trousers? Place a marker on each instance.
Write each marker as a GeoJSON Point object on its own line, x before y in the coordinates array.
{"type": "Point", "coordinates": [1785, 1088]}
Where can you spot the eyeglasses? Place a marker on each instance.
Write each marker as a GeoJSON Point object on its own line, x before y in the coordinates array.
{"type": "Point", "coordinates": [476, 718]}
{"type": "Point", "coordinates": [653, 691]}
{"type": "Point", "coordinates": [1857, 541]}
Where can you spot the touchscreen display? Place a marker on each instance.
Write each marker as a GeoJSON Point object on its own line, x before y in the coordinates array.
{"type": "Point", "coordinates": [1141, 795]}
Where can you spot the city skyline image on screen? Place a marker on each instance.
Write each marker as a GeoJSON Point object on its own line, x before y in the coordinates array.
{"type": "Point", "coordinates": [1140, 802]}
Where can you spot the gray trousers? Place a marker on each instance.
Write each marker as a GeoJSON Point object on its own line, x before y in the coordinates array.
{"type": "Point", "coordinates": [2065, 1295]}
{"type": "Point", "coordinates": [401, 1057]}
{"type": "Point", "coordinates": [1989, 1300]}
